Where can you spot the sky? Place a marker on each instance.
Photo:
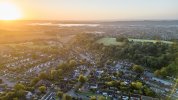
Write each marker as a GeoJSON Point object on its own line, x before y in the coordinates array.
{"type": "Point", "coordinates": [97, 9]}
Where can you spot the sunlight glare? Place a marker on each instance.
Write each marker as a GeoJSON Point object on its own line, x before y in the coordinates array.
{"type": "Point", "coordinates": [9, 11]}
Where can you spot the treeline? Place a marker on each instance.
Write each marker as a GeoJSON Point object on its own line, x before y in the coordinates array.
{"type": "Point", "coordinates": [157, 56]}
{"type": "Point", "coordinates": [170, 70]}
{"type": "Point", "coordinates": [146, 54]}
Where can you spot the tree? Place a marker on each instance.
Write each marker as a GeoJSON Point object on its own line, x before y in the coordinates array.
{"type": "Point", "coordinates": [148, 92]}
{"type": "Point", "coordinates": [1, 81]}
{"type": "Point", "coordinates": [34, 81]}
{"type": "Point", "coordinates": [43, 75]}
{"type": "Point", "coordinates": [101, 98]}
{"type": "Point", "coordinates": [62, 65]}
{"type": "Point", "coordinates": [59, 94]}
{"type": "Point", "coordinates": [122, 84]}
{"type": "Point", "coordinates": [176, 81]}
{"type": "Point", "coordinates": [66, 97]}
{"type": "Point", "coordinates": [54, 74]}
{"type": "Point", "coordinates": [20, 93]}
{"type": "Point", "coordinates": [109, 83]}
{"type": "Point", "coordinates": [72, 63]}
{"type": "Point", "coordinates": [15, 98]}
{"type": "Point", "coordinates": [82, 79]}
{"type": "Point", "coordinates": [138, 69]}
{"type": "Point", "coordinates": [163, 72]}
{"type": "Point", "coordinates": [59, 72]}
{"type": "Point", "coordinates": [121, 39]}
{"type": "Point", "coordinates": [93, 98]}
{"type": "Point", "coordinates": [30, 89]}
{"type": "Point", "coordinates": [42, 89]}
{"type": "Point", "coordinates": [137, 85]}
{"type": "Point", "coordinates": [157, 73]}
{"type": "Point", "coordinates": [9, 95]}
{"type": "Point", "coordinates": [19, 86]}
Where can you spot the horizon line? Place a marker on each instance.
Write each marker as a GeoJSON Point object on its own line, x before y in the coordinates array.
{"type": "Point", "coordinates": [91, 20]}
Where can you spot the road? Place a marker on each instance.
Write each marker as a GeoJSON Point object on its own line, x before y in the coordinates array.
{"type": "Point", "coordinates": [48, 96]}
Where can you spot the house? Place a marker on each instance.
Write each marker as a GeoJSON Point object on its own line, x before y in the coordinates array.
{"type": "Point", "coordinates": [148, 98]}
{"type": "Point", "coordinates": [98, 73]}
{"type": "Point", "coordinates": [165, 82]}
{"type": "Point", "coordinates": [125, 97]}
{"type": "Point", "coordinates": [105, 93]}
{"type": "Point", "coordinates": [29, 96]}
{"type": "Point", "coordinates": [93, 86]}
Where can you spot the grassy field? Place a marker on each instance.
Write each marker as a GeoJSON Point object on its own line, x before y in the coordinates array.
{"type": "Point", "coordinates": [109, 41]}
{"type": "Point", "coordinates": [153, 41]}
{"type": "Point", "coordinates": [112, 41]}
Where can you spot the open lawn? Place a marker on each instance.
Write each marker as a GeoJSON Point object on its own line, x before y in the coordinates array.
{"type": "Point", "coordinates": [153, 41]}
{"type": "Point", "coordinates": [112, 41]}
{"type": "Point", "coordinates": [109, 41]}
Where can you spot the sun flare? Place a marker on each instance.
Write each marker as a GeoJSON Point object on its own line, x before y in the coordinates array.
{"type": "Point", "coordinates": [9, 11]}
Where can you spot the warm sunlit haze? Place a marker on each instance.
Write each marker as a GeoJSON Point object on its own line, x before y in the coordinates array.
{"type": "Point", "coordinates": [89, 9]}
{"type": "Point", "coordinates": [88, 49]}
{"type": "Point", "coordinates": [9, 11]}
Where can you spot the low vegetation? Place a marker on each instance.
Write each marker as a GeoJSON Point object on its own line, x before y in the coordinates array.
{"type": "Point", "coordinates": [109, 41]}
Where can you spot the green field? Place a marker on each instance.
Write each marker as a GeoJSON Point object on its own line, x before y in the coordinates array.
{"type": "Point", "coordinates": [112, 41]}
{"type": "Point", "coordinates": [109, 41]}
{"type": "Point", "coordinates": [153, 41]}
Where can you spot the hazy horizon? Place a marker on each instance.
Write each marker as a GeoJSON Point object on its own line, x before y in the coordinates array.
{"type": "Point", "coordinates": [102, 10]}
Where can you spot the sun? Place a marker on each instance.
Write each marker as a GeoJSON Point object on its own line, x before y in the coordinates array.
{"type": "Point", "coordinates": [9, 11]}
